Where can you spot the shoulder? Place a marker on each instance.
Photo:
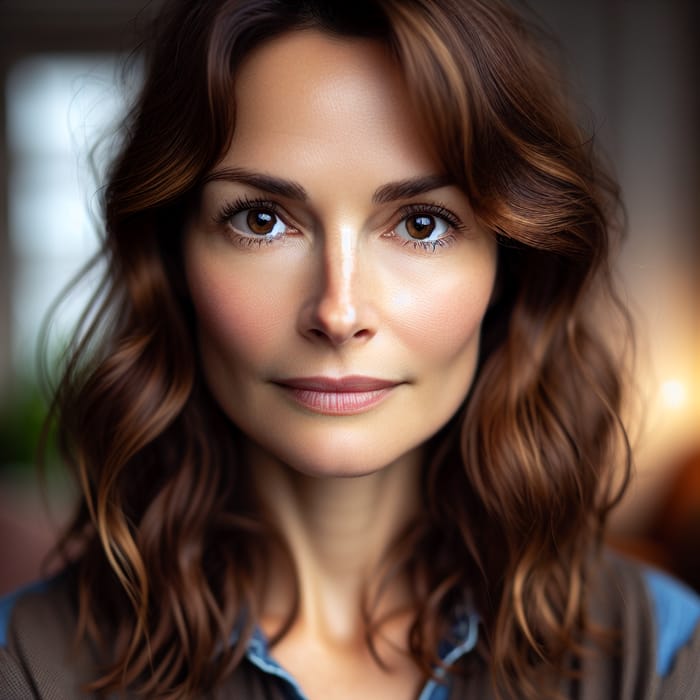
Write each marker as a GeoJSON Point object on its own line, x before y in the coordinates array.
{"type": "Point", "coordinates": [8, 605]}
{"type": "Point", "coordinates": [40, 660]}
{"type": "Point", "coordinates": [676, 613]}
{"type": "Point", "coordinates": [36, 609]}
{"type": "Point", "coordinates": [38, 657]}
{"type": "Point", "coordinates": [15, 683]}
{"type": "Point", "coordinates": [659, 620]}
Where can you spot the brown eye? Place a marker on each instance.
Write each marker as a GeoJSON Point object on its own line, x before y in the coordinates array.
{"type": "Point", "coordinates": [256, 221]}
{"type": "Point", "coordinates": [420, 226]}
{"type": "Point", "coordinates": [424, 228]}
{"type": "Point", "coordinates": [260, 221]}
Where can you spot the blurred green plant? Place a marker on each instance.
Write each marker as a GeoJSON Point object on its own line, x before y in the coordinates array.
{"type": "Point", "coordinates": [22, 415]}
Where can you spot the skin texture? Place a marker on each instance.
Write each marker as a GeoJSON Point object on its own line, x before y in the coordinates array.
{"type": "Point", "coordinates": [342, 291]}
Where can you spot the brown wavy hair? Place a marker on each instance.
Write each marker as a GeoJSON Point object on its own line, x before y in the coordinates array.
{"type": "Point", "coordinates": [520, 481]}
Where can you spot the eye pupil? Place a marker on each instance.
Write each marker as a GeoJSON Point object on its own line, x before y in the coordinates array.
{"type": "Point", "coordinates": [420, 226]}
{"type": "Point", "coordinates": [260, 221]}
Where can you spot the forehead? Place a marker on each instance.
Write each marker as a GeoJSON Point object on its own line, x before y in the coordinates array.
{"type": "Point", "coordinates": [311, 99]}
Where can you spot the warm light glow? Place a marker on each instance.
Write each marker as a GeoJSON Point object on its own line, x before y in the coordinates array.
{"type": "Point", "coordinates": [673, 393]}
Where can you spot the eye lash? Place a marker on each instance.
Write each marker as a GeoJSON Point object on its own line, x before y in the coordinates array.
{"type": "Point", "coordinates": [431, 245]}
{"type": "Point", "coordinates": [435, 210]}
{"type": "Point", "coordinates": [230, 209]}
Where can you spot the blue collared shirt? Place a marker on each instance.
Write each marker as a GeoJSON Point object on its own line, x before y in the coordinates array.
{"type": "Point", "coordinates": [675, 608]}
{"type": "Point", "coordinates": [465, 631]}
{"type": "Point", "coordinates": [676, 612]}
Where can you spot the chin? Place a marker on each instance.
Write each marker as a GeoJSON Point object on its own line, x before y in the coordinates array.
{"type": "Point", "coordinates": [333, 471]}
{"type": "Point", "coordinates": [338, 458]}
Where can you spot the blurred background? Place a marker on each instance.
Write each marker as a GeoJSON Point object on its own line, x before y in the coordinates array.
{"type": "Point", "coordinates": [633, 72]}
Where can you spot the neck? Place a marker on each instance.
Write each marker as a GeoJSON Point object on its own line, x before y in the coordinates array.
{"type": "Point", "coordinates": [338, 530]}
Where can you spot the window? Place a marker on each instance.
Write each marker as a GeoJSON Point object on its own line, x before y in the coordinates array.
{"type": "Point", "coordinates": [59, 108]}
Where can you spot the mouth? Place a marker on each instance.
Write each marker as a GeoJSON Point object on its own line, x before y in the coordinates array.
{"type": "Point", "coordinates": [337, 396]}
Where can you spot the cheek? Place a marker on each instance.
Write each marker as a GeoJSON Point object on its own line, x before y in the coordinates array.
{"type": "Point", "coordinates": [439, 316]}
{"type": "Point", "coordinates": [237, 316]}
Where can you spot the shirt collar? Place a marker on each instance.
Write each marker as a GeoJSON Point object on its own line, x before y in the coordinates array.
{"type": "Point", "coordinates": [463, 636]}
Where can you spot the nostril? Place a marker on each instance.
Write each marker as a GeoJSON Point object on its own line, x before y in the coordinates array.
{"type": "Point", "coordinates": [362, 333]}
{"type": "Point", "coordinates": [338, 336]}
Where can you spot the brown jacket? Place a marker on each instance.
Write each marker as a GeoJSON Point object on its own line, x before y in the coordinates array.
{"type": "Point", "coordinates": [37, 661]}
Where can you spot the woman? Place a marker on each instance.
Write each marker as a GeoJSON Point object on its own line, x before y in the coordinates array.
{"type": "Point", "coordinates": [343, 422]}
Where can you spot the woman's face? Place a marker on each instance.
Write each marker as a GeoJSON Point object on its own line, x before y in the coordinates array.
{"type": "Point", "coordinates": [339, 279]}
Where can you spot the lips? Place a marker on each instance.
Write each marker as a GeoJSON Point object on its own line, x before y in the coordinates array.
{"type": "Point", "coordinates": [338, 396]}
{"type": "Point", "coordinates": [341, 384]}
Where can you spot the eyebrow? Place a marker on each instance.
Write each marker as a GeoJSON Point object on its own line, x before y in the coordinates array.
{"type": "Point", "coordinates": [260, 181]}
{"type": "Point", "coordinates": [401, 189]}
{"type": "Point", "coordinates": [405, 189]}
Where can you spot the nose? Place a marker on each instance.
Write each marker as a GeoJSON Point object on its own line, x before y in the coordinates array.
{"type": "Point", "coordinates": [339, 308]}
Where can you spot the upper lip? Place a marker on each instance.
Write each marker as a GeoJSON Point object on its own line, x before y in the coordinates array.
{"type": "Point", "coordinates": [337, 384]}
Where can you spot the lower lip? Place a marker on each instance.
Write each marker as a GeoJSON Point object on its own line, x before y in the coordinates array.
{"type": "Point", "coordinates": [338, 403]}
